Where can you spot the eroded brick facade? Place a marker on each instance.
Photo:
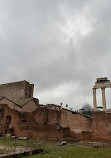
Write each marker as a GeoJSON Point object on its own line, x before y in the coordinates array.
{"type": "Point", "coordinates": [48, 122]}
{"type": "Point", "coordinates": [19, 96]}
{"type": "Point", "coordinates": [43, 123]}
{"type": "Point", "coordinates": [22, 89]}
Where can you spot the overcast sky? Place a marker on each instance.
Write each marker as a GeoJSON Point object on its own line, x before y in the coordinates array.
{"type": "Point", "coordinates": [61, 46]}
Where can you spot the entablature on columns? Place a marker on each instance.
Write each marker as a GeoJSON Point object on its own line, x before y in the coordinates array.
{"type": "Point", "coordinates": [102, 83]}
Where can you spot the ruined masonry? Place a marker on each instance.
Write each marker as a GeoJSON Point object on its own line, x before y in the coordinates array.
{"type": "Point", "coordinates": [21, 115]}
{"type": "Point", "coordinates": [101, 83]}
{"type": "Point", "coordinates": [19, 96]}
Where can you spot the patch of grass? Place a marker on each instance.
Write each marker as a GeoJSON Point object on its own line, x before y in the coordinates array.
{"type": "Point", "coordinates": [10, 142]}
{"type": "Point", "coordinates": [57, 151]}
{"type": "Point", "coordinates": [2, 152]}
{"type": "Point", "coordinates": [75, 152]}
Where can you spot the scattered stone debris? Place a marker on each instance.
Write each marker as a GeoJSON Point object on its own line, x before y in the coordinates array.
{"type": "Point", "coordinates": [23, 138]}
{"type": "Point", "coordinates": [8, 135]}
{"type": "Point", "coordinates": [22, 153]}
{"type": "Point", "coordinates": [62, 143]}
{"type": "Point", "coordinates": [13, 137]}
{"type": "Point", "coordinates": [96, 146]}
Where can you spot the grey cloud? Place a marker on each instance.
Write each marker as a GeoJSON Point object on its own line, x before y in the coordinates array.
{"type": "Point", "coordinates": [34, 45]}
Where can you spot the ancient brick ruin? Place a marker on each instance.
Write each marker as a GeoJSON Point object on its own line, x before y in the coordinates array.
{"type": "Point", "coordinates": [51, 121]}
{"type": "Point", "coordinates": [21, 89]}
{"type": "Point", "coordinates": [41, 123]}
{"type": "Point", "coordinates": [19, 96]}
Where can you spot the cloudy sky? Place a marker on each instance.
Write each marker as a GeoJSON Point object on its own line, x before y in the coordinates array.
{"type": "Point", "coordinates": [61, 46]}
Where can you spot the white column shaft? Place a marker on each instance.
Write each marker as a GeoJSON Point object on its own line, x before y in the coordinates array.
{"type": "Point", "coordinates": [103, 99]}
{"type": "Point", "coordinates": [94, 99]}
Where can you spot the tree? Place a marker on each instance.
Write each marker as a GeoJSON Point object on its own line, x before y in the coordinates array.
{"type": "Point", "coordinates": [61, 104]}
{"type": "Point", "coordinates": [87, 108]}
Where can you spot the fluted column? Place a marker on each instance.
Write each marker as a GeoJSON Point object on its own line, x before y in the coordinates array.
{"type": "Point", "coordinates": [94, 99]}
{"type": "Point", "coordinates": [103, 99]}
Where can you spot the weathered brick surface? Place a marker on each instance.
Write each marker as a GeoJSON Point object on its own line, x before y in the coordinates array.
{"type": "Point", "coordinates": [20, 89]}
{"type": "Point", "coordinates": [76, 122]}
{"type": "Point", "coordinates": [10, 104]}
{"type": "Point", "coordinates": [38, 125]}
{"type": "Point", "coordinates": [97, 128]}
{"type": "Point", "coordinates": [53, 107]}
{"type": "Point", "coordinates": [29, 107]}
{"type": "Point", "coordinates": [42, 123]}
{"type": "Point", "coordinates": [101, 126]}
{"type": "Point", "coordinates": [53, 117]}
{"type": "Point", "coordinates": [41, 116]}
{"type": "Point", "coordinates": [28, 125]}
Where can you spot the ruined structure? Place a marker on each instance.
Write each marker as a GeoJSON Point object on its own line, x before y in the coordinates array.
{"type": "Point", "coordinates": [45, 123]}
{"type": "Point", "coordinates": [52, 121]}
{"type": "Point", "coordinates": [101, 83]}
{"type": "Point", "coordinates": [19, 96]}
{"type": "Point", "coordinates": [42, 123]}
{"type": "Point", "coordinates": [16, 90]}
{"type": "Point", "coordinates": [53, 107]}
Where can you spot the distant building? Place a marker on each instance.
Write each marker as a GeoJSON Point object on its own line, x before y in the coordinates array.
{"type": "Point", "coordinates": [52, 106]}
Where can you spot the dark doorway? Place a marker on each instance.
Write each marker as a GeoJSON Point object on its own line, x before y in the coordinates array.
{"type": "Point", "coordinates": [8, 121]}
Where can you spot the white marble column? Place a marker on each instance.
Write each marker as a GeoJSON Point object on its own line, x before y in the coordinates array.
{"type": "Point", "coordinates": [94, 99]}
{"type": "Point", "coordinates": [103, 99]}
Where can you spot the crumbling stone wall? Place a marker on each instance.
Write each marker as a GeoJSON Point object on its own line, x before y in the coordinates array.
{"type": "Point", "coordinates": [53, 107]}
{"type": "Point", "coordinates": [7, 112]}
{"type": "Point", "coordinates": [38, 124]}
{"type": "Point", "coordinates": [43, 123]}
{"type": "Point", "coordinates": [22, 89]}
{"type": "Point", "coordinates": [77, 123]}
{"type": "Point", "coordinates": [101, 126]}
{"type": "Point", "coordinates": [28, 125]}
{"type": "Point", "coordinates": [41, 116]}
{"type": "Point", "coordinates": [53, 117]}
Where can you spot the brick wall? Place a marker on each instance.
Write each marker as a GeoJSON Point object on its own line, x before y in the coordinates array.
{"type": "Point", "coordinates": [101, 126]}
{"type": "Point", "coordinates": [53, 117]}
{"type": "Point", "coordinates": [34, 125]}
{"type": "Point", "coordinates": [41, 116]}
{"type": "Point", "coordinates": [38, 124]}
{"type": "Point", "coordinates": [76, 122]}
{"type": "Point", "coordinates": [42, 123]}
{"type": "Point", "coordinates": [10, 104]}
{"type": "Point", "coordinates": [29, 106]}
{"type": "Point", "coordinates": [13, 90]}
